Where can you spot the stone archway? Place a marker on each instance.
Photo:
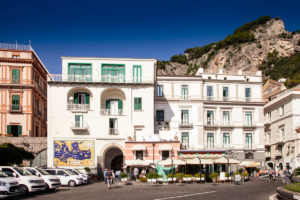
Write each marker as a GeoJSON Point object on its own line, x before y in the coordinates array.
{"type": "Point", "coordinates": [113, 159]}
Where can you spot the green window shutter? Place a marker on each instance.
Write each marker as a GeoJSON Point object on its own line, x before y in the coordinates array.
{"type": "Point", "coordinates": [87, 98]}
{"type": "Point", "coordinates": [120, 104]}
{"type": "Point", "coordinates": [19, 130]}
{"type": "Point", "coordinates": [107, 104]}
{"type": "Point", "coordinates": [16, 76]}
{"type": "Point", "coordinates": [137, 103]}
{"type": "Point", "coordinates": [76, 98]}
{"type": "Point", "coordinates": [8, 129]}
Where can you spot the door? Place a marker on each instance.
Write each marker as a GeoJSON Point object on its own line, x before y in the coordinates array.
{"type": "Point", "coordinates": [137, 73]}
{"type": "Point", "coordinates": [63, 176]}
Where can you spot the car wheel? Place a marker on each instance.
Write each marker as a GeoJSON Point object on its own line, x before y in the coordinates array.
{"type": "Point", "coordinates": [72, 183]}
{"type": "Point", "coordinates": [24, 189]}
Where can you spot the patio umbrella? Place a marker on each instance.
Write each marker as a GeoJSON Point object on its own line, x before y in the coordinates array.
{"type": "Point", "coordinates": [171, 162]}
{"type": "Point", "coordinates": [249, 164]}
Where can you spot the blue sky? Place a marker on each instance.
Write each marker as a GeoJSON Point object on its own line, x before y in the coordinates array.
{"type": "Point", "coordinates": [138, 29]}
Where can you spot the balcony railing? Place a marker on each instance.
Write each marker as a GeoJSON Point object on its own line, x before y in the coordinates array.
{"type": "Point", "coordinates": [249, 146]}
{"type": "Point", "coordinates": [209, 98]}
{"type": "Point", "coordinates": [15, 108]}
{"type": "Point", "coordinates": [100, 79]}
{"type": "Point", "coordinates": [218, 146]}
{"type": "Point", "coordinates": [184, 146]}
{"type": "Point", "coordinates": [15, 46]}
{"type": "Point", "coordinates": [110, 112]}
{"type": "Point", "coordinates": [79, 126]}
{"type": "Point", "coordinates": [113, 131]}
{"type": "Point", "coordinates": [239, 99]}
{"type": "Point", "coordinates": [249, 124]}
{"type": "Point", "coordinates": [184, 97]}
{"type": "Point", "coordinates": [79, 107]}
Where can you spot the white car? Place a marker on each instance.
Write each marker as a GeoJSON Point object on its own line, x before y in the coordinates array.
{"type": "Point", "coordinates": [52, 182]}
{"type": "Point", "coordinates": [66, 177]}
{"type": "Point", "coordinates": [8, 186]}
{"type": "Point", "coordinates": [84, 177]}
{"type": "Point", "coordinates": [27, 181]}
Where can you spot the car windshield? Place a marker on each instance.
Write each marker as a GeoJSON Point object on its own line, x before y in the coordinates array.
{"type": "Point", "coordinates": [22, 172]}
{"type": "Point", "coordinates": [79, 172]}
{"type": "Point", "coordinates": [31, 171]}
{"type": "Point", "coordinates": [3, 175]}
{"type": "Point", "coordinates": [43, 172]}
{"type": "Point", "coordinates": [70, 172]}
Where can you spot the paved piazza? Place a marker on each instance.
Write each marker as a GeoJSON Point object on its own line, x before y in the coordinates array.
{"type": "Point", "coordinates": [258, 189]}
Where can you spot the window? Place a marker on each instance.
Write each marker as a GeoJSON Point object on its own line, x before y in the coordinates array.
{"type": "Point", "coordinates": [139, 155]}
{"type": "Point", "coordinates": [8, 172]}
{"type": "Point", "coordinates": [160, 115]}
{"type": "Point", "coordinates": [159, 91]}
{"type": "Point", "coordinates": [248, 118]}
{"type": "Point", "coordinates": [184, 92]}
{"type": "Point", "coordinates": [78, 121]}
{"type": "Point", "coordinates": [210, 140]}
{"type": "Point", "coordinates": [137, 73]}
{"type": "Point", "coordinates": [137, 103]}
{"type": "Point", "coordinates": [80, 72]}
{"type": "Point", "coordinates": [113, 126]}
{"type": "Point", "coordinates": [165, 155]}
{"type": "Point", "coordinates": [210, 117]}
{"type": "Point", "coordinates": [185, 140]}
{"type": "Point", "coordinates": [81, 98]}
{"type": "Point", "coordinates": [61, 173]}
{"type": "Point", "coordinates": [248, 94]}
{"type": "Point", "coordinates": [114, 106]}
{"type": "Point", "coordinates": [15, 76]}
{"type": "Point", "coordinates": [37, 106]}
{"type": "Point", "coordinates": [52, 172]}
{"type": "Point", "coordinates": [15, 102]}
{"type": "Point", "coordinates": [281, 110]}
{"type": "Point", "coordinates": [281, 132]}
{"type": "Point", "coordinates": [14, 130]}
{"type": "Point", "coordinates": [226, 139]}
{"type": "Point", "coordinates": [225, 93]}
{"type": "Point", "coordinates": [249, 155]}
{"type": "Point", "coordinates": [226, 118]}
{"type": "Point", "coordinates": [184, 117]}
{"type": "Point", "coordinates": [209, 93]}
{"type": "Point", "coordinates": [113, 73]}
{"type": "Point", "coordinates": [269, 115]}
{"type": "Point", "coordinates": [248, 142]}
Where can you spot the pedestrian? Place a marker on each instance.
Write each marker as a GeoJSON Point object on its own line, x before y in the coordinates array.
{"type": "Point", "coordinates": [108, 178]}
{"type": "Point", "coordinates": [270, 175]}
{"type": "Point", "coordinates": [104, 175]}
{"type": "Point", "coordinates": [136, 173]}
{"type": "Point", "coordinates": [273, 175]}
{"type": "Point", "coordinates": [118, 172]}
{"type": "Point", "coordinates": [113, 176]}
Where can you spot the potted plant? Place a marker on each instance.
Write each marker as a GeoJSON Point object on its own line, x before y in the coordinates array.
{"type": "Point", "coordinates": [187, 178]}
{"type": "Point", "coordinates": [246, 176]}
{"type": "Point", "coordinates": [179, 177]}
{"type": "Point", "coordinates": [124, 177]}
{"type": "Point", "coordinates": [228, 177]}
{"type": "Point", "coordinates": [159, 178]}
{"type": "Point", "coordinates": [197, 177]}
{"type": "Point", "coordinates": [171, 177]}
{"type": "Point", "coordinates": [143, 179]}
{"type": "Point", "coordinates": [213, 176]}
{"type": "Point", "coordinates": [151, 177]}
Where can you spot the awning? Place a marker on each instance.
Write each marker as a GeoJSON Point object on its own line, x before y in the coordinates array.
{"type": "Point", "coordinates": [136, 163]}
{"type": "Point", "coordinates": [171, 162]}
{"type": "Point", "coordinates": [139, 147]}
{"type": "Point", "coordinates": [224, 160]}
{"type": "Point", "coordinates": [193, 161]}
{"type": "Point", "coordinates": [250, 163]}
{"type": "Point", "coordinates": [165, 147]}
{"type": "Point", "coordinates": [207, 162]}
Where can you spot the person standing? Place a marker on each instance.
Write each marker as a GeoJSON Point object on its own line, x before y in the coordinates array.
{"type": "Point", "coordinates": [136, 173]}
{"type": "Point", "coordinates": [118, 172]}
{"type": "Point", "coordinates": [104, 175]}
{"type": "Point", "coordinates": [108, 178]}
{"type": "Point", "coordinates": [270, 174]}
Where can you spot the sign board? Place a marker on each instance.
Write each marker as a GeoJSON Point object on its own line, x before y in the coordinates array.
{"type": "Point", "coordinates": [222, 176]}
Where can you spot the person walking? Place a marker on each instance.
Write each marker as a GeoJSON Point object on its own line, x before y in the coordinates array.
{"type": "Point", "coordinates": [108, 178]}
{"type": "Point", "coordinates": [118, 172]}
{"type": "Point", "coordinates": [273, 175]}
{"type": "Point", "coordinates": [104, 175]}
{"type": "Point", "coordinates": [270, 174]}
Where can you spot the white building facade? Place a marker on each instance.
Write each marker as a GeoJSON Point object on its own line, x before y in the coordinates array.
{"type": "Point", "coordinates": [213, 113]}
{"type": "Point", "coordinates": [282, 129]}
{"type": "Point", "coordinates": [94, 106]}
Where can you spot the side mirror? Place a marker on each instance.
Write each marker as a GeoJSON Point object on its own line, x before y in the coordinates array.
{"type": "Point", "coordinates": [39, 175]}
{"type": "Point", "coordinates": [66, 175]}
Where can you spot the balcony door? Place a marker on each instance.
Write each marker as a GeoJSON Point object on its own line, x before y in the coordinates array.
{"type": "Point", "coordinates": [114, 107]}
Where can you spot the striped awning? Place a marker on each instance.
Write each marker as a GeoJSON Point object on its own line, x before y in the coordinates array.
{"type": "Point", "coordinates": [139, 147]}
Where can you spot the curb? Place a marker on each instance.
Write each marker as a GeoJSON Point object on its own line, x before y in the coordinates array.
{"type": "Point", "coordinates": [288, 194]}
{"type": "Point", "coordinates": [273, 197]}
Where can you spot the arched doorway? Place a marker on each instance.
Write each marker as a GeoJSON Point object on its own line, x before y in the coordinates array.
{"type": "Point", "coordinates": [271, 165]}
{"type": "Point", "coordinates": [113, 159]}
{"type": "Point", "coordinates": [40, 159]}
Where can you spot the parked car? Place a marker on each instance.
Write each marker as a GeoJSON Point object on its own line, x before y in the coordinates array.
{"type": "Point", "coordinates": [52, 182]}
{"type": "Point", "coordinates": [84, 177]}
{"type": "Point", "coordinates": [27, 181]}
{"type": "Point", "coordinates": [8, 186]}
{"type": "Point", "coordinates": [66, 177]}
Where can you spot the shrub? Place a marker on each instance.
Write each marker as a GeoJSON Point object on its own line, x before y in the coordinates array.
{"type": "Point", "coordinates": [179, 176]}
{"type": "Point", "coordinates": [241, 170]}
{"type": "Point", "coordinates": [87, 169]}
{"type": "Point", "coordinates": [143, 179]}
{"type": "Point", "coordinates": [236, 173]}
{"type": "Point", "coordinates": [179, 59]}
{"type": "Point", "coordinates": [187, 175]}
{"type": "Point", "coordinates": [198, 175]}
{"type": "Point", "coordinates": [170, 175]}
{"type": "Point", "coordinates": [151, 175]}
{"type": "Point", "coordinates": [295, 187]}
{"type": "Point", "coordinates": [213, 175]}
{"type": "Point", "coordinates": [162, 64]}
{"type": "Point", "coordinates": [245, 174]}
{"type": "Point", "coordinates": [11, 155]}
{"type": "Point", "coordinates": [297, 171]}
{"type": "Point", "coordinates": [123, 175]}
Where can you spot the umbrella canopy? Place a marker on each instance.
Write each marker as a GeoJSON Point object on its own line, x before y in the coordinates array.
{"type": "Point", "coordinates": [170, 162]}
{"type": "Point", "coordinates": [249, 164]}
{"type": "Point", "coordinates": [224, 160]}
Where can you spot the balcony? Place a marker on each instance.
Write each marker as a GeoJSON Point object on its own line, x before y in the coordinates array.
{"type": "Point", "coordinates": [184, 146]}
{"type": "Point", "coordinates": [248, 124]}
{"type": "Point", "coordinates": [268, 154]}
{"type": "Point", "coordinates": [230, 99]}
{"type": "Point", "coordinates": [185, 97]}
{"type": "Point", "coordinates": [212, 146]}
{"type": "Point", "coordinates": [111, 112]}
{"type": "Point", "coordinates": [79, 107]}
{"type": "Point", "coordinates": [100, 79]}
{"type": "Point", "coordinates": [79, 126]}
{"type": "Point", "coordinates": [15, 108]}
{"type": "Point", "coordinates": [185, 124]}
{"type": "Point", "coordinates": [113, 131]}
{"type": "Point", "coordinates": [211, 123]}
{"type": "Point", "coordinates": [162, 125]}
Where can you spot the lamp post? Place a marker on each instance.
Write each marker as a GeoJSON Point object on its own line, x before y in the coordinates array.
{"type": "Point", "coordinates": [153, 145]}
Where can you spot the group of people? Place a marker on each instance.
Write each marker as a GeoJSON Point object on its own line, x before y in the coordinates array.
{"type": "Point", "coordinates": [285, 174]}
{"type": "Point", "coordinates": [110, 176]}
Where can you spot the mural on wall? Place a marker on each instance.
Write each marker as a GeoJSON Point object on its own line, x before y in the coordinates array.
{"type": "Point", "coordinates": [74, 153]}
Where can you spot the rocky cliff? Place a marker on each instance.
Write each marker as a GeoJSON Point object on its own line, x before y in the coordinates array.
{"type": "Point", "coordinates": [255, 40]}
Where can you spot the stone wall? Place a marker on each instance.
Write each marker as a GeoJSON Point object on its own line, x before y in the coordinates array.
{"type": "Point", "coordinates": [31, 144]}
